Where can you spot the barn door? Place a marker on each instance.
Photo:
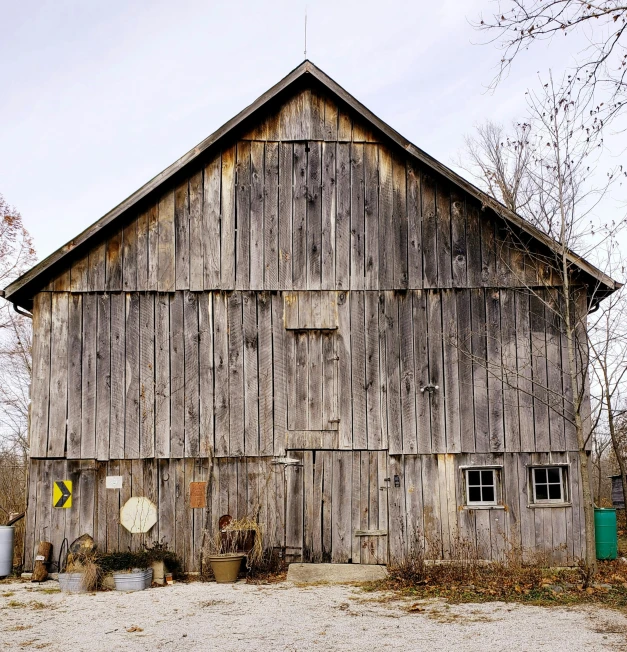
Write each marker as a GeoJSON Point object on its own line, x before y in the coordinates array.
{"type": "Point", "coordinates": [336, 507]}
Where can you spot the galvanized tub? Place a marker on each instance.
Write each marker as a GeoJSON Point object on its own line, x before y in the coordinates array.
{"type": "Point", "coordinates": [7, 538]}
{"type": "Point", "coordinates": [136, 580]}
{"type": "Point", "coordinates": [71, 583]}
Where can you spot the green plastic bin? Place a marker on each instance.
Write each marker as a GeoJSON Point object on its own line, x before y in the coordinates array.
{"type": "Point", "coordinates": [606, 533]}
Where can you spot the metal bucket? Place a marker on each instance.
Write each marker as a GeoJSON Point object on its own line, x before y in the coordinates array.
{"type": "Point", "coordinates": [7, 539]}
{"type": "Point", "coordinates": [71, 583]}
{"type": "Point", "coordinates": [137, 580]}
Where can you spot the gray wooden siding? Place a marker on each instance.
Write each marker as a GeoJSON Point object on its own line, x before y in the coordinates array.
{"type": "Point", "coordinates": [173, 375]}
{"type": "Point", "coordinates": [366, 507]}
{"type": "Point", "coordinates": [307, 200]}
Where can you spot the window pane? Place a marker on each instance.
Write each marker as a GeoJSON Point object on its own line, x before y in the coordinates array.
{"type": "Point", "coordinates": [474, 494]}
{"type": "Point", "coordinates": [541, 492]}
{"type": "Point", "coordinates": [488, 494]}
{"type": "Point", "coordinates": [540, 475]}
{"type": "Point", "coordinates": [487, 477]}
{"type": "Point", "coordinates": [555, 491]}
{"type": "Point", "coordinates": [474, 477]}
{"type": "Point", "coordinates": [554, 475]}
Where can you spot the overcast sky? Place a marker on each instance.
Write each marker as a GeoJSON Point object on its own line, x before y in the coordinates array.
{"type": "Point", "coordinates": [97, 98]}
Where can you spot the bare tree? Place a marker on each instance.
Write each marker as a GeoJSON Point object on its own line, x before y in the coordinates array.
{"type": "Point", "coordinates": [16, 255]}
{"type": "Point", "coordinates": [562, 141]}
{"type": "Point", "coordinates": [599, 68]}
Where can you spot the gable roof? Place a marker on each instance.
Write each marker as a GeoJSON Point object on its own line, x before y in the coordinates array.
{"type": "Point", "coordinates": [22, 289]}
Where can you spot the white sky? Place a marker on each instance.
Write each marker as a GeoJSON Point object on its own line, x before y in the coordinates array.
{"type": "Point", "coordinates": [97, 98]}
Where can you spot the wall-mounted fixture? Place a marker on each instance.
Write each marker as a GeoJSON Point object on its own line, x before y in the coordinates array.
{"type": "Point", "coordinates": [429, 388]}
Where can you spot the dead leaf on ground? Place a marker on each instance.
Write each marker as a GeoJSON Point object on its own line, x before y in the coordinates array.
{"type": "Point", "coordinates": [415, 608]}
{"type": "Point", "coordinates": [134, 628]}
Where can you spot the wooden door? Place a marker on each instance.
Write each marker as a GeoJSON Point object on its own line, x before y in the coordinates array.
{"type": "Point", "coordinates": [337, 507]}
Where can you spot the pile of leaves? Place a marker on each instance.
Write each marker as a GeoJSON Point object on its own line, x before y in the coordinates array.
{"type": "Point", "coordinates": [506, 582]}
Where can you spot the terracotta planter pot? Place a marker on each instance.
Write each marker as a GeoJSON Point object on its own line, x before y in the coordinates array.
{"type": "Point", "coordinates": [226, 567]}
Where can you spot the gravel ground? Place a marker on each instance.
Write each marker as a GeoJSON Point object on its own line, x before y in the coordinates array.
{"type": "Point", "coordinates": [281, 617]}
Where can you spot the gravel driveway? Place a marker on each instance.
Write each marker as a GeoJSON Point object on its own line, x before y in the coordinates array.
{"type": "Point", "coordinates": [281, 617]}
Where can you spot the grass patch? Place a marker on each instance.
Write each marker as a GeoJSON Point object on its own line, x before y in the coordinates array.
{"type": "Point", "coordinates": [50, 591]}
{"type": "Point", "coordinates": [466, 582]}
{"type": "Point", "coordinates": [15, 604]}
{"type": "Point", "coordinates": [8, 594]}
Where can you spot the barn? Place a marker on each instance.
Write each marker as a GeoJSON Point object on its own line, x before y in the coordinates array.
{"type": "Point", "coordinates": [317, 321]}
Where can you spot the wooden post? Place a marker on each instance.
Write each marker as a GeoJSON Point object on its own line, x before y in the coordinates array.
{"type": "Point", "coordinates": [40, 572]}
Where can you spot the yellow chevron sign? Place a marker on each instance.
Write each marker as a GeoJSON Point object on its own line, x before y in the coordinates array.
{"type": "Point", "coordinates": [62, 493]}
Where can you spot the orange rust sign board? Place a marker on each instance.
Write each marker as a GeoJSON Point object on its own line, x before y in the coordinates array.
{"type": "Point", "coordinates": [197, 494]}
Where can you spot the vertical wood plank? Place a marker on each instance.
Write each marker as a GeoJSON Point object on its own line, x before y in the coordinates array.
{"type": "Point", "coordinates": [443, 228]}
{"type": "Point", "coordinates": [118, 383]}
{"type": "Point", "coordinates": [473, 239]}
{"type": "Point", "coordinates": [458, 238]}
{"type": "Point", "coordinates": [286, 181]}
{"type": "Point", "coordinates": [495, 370]}
{"type": "Point", "coordinates": [192, 382]}
{"type": "Point", "coordinates": [299, 221]}
{"type": "Point", "coordinates": [479, 370]}
{"type": "Point", "coordinates": [236, 375]}
{"type": "Point", "coordinates": [510, 371]}
{"type": "Point", "coordinates": [407, 374]}
{"type": "Point", "coordinates": [242, 211]}
{"type": "Point", "coordinates": [421, 370]}
{"type": "Point", "coordinates": [393, 386]}
{"type": "Point", "coordinates": [131, 438]}
{"type": "Point", "coordinates": [162, 375]}
{"type": "Point", "coordinates": [75, 328]}
{"type": "Point", "coordinates": [129, 257]}
{"type": "Point", "coordinates": [524, 370]}
{"type": "Point", "coordinates": [221, 362]}
{"type": "Point", "coordinates": [341, 507]}
{"type": "Point", "coordinates": [357, 217]}
{"type": "Point", "coordinates": [148, 243]}
{"type": "Point", "coordinates": [103, 377]}
{"type": "Point", "coordinates": [88, 393]}
{"type": "Point", "coordinates": [227, 222]}
{"type": "Point", "coordinates": [429, 232]}
{"type": "Point", "coordinates": [344, 371]}
{"type": "Point", "coordinates": [97, 267]}
{"type": "Point", "coordinates": [177, 375]}
{"type": "Point", "coordinates": [266, 380]}
{"type": "Point", "coordinates": [451, 371]}
{"type": "Point", "coordinates": [397, 510]}
{"type": "Point", "coordinates": [314, 216]}
{"type": "Point", "coordinates": [329, 209]}
{"type": "Point", "coordinates": [539, 377]}
{"type": "Point", "coordinates": [251, 374]}
{"type": "Point", "coordinates": [113, 263]}
{"type": "Point", "coordinates": [372, 371]}
{"type": "Point", "coordinates": [211, 224]}
{"type": "Point", "coordinates": [399, 186]}
{"type": "Point", "coordinates": [270, 235]}
{"type": "Point", "coordinates": [465, 363]}
{"type": "Point", "coordinates": [166, 262]}
{"type": "Point", "coordinates": [342, 225]}
{"type": "Point", "coordinates": [181, 236]}
{"type": "Point", "coordinates": [438, 420]}
{"type": "Point", "coordinates": [146, 376]}
{"type": "Point", "coordinates": [414, 227]}
{"type": "Point", "coordinates": [386, 216]}
{"type": "Point", "coordinates": [358, 368]}
{"type": "Point", "coordinates": [196, 262]}
{"type": "Point", "coordinates": [57, 426]}
{"type": "Point", "coordinates": [206, 374]}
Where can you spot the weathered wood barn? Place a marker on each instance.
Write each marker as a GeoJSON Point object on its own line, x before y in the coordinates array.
{"type": "Point", "coordinates": [321, 315]}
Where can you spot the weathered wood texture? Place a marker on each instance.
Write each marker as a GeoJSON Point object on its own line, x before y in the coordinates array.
{"type": "Point", "coordinates": [309, 199]}
{"type": "Point", "coordinates": [175, 375]}
{"type": "Point", "coordinates": [333, 506]}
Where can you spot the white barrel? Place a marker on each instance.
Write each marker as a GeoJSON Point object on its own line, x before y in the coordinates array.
{"type": "Point", "coordinates": [7, 537]}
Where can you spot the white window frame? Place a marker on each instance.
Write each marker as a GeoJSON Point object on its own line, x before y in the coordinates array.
{"type": "Point", "coordinates": [563, 483]}
{"type": "Point", "coordinates": [496, 486]}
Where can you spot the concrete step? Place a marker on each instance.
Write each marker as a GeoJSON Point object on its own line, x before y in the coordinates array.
{"type": "Point", "coordinates": [335, 573]}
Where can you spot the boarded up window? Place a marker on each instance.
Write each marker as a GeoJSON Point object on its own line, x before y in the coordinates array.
{"type": "Point", "coordinates": [310, 310]}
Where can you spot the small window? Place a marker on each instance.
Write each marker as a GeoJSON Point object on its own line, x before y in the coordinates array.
{"type": "Point", "coordinates": [549, 484]}
{"type": "Point", "coordinates": [481, 486]}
